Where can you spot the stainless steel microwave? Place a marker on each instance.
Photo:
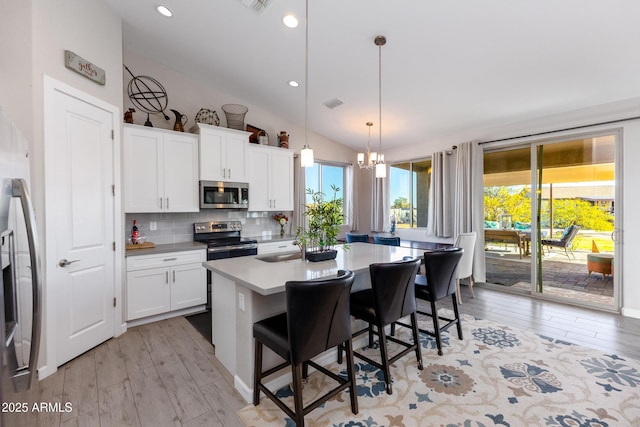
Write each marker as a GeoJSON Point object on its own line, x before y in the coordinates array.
{"type": "Point", "coordinates": [224, 195]}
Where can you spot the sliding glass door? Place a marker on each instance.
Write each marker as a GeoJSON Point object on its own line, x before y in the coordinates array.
{"type": "Point", "coordinates": [563, 247]}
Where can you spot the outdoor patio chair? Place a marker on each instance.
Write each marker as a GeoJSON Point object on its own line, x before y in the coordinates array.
{"type": "Point", "coordinates": [565, 241]}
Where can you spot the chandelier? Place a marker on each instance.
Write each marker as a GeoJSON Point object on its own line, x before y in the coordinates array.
{"type": "Point", "coordinates": [367, 160]}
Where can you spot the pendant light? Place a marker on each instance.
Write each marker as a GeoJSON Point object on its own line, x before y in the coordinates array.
{"type": "Point", "coordinates": [381, 167]}
{"type": "Point", "coordinates": [367, 160]}
{"type": "Point", "coordinates": [306, 154]}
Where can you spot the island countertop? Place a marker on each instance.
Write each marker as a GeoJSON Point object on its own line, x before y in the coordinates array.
{"type": "Point", "coordinates": [269, 278]}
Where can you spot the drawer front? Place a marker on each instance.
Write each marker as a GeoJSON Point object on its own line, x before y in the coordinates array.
{"type": "Point", "coordinates": [167, 259]}
{"type": "Point", "coordinates": [276, 247]}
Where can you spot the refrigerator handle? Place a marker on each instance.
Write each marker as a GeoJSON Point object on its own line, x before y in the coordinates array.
{"type": "Point", "coordinates": [21, 191]}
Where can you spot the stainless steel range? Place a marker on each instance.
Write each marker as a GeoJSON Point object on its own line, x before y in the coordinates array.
{"type": "Point", "coordinates": [223, 241]}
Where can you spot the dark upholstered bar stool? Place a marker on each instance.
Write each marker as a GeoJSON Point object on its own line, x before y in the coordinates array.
{"type": "Point", "coordinates": [391, 297]}
{"type": "Point", "coordinates": [383, 240]}
{"type": "Point", "coordinates": [355, 237]}
{"type": "Point", "coordinates": [438, 283]}
{"type": "Point", "coordinates": [316, 320]}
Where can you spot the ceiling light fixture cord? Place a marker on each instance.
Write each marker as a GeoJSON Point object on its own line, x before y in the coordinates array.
{"type": "Point", "coordinates": [306, 154]}
{"type": "Point", "coordinates": [381, 168]}
{"type": "Point", "coordinates": [380, 41]}
{"type": "Point", "coordinates": [306, 68]}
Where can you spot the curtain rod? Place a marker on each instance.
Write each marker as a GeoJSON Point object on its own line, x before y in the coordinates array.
{"type": "Point", "coordinates": [560, 130]}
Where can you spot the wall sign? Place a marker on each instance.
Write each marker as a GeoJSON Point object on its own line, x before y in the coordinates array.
{"type": "Point", "coordinates": [84, 67]}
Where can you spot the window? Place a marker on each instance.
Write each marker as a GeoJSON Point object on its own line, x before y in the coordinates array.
{"type": "Point", "coordinates": [409, 184]}
{"type": "Point", "coordinates": [322, 176]}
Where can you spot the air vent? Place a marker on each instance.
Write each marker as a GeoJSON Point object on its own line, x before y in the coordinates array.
{"type": "Point", "coordinates": [333, 103]}
{"type": "Point", "coordinates": [256, 5]}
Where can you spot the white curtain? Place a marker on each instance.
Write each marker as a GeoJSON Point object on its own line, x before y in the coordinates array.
{"type": "Point", "coordinates": [469, 201]}
{"type": "Point", "coordinates": [299, 194]}
{"type": "Point", "coordinates": [440, 220]}
{"type": "Point", "coordinates": [351, 205]}
{"type": "Point", "coordinates": [380, 206]}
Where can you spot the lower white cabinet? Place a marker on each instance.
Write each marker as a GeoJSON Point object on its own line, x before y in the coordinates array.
{"type": "Point", "coordinates": [274, 247]}
{"type": "Point", "coordinates": [165, 282]}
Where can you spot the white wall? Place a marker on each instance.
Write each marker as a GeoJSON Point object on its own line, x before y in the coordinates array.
{"type": "Point", "coordinates": [34, 35]}
{"type": "Point", "coordinates": [187, 95]}
{"type": "Point", "coordinates": [16, 65]}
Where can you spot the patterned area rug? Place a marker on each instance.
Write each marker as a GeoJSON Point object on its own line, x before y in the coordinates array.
{"type": "Point", "coordinates": [497, 375]}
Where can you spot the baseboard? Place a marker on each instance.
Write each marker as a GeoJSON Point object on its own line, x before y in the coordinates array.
{"type": "Point", "coordinates": [46, 371]}
{"type": "Point", "coordinates": [630, 312]}
{"type": "Point", "coordinates": [163, 316]}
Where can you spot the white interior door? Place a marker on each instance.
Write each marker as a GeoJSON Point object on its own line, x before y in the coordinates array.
{"type": "Point", "coordinates": [79, 164]}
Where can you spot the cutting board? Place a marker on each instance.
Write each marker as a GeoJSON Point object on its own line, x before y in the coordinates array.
{"type": "Point", "coordinates": [145, 245]}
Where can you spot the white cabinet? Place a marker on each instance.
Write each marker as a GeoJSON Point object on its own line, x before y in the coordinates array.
{"type": "Point", "coordinates": [160, 170]}
{"type": "Point", "coordinates": [274, 247]}
{"type": "Point", "coordinates": [165, 282]}
{"type": "Point", "coordinates": [223, 154]}
{"type": "Point", "coordinates": [270, 179]}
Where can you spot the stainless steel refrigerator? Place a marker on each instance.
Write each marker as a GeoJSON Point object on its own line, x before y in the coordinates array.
{"type": "Point", "coordinates": [20, 283]}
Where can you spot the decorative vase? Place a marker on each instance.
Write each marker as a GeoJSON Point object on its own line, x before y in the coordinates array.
{"type": "Point", "coordinates": [281, 230]}
{"type": "Point", "coordinates": [317, 256]}
{"type": "Point", "coordinates": [284, 139]}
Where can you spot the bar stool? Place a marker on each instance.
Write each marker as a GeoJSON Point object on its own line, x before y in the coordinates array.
{"type": "Point", "coordinates": [389, 241]}
{"type": "Point", "coordinates": [316, 320]}
{"type": "Point", "coordinates": [355, 237]}
{"type": "Point", "coordinates": [438, 283]}
{"type": "Point", "coordinates": [391, 297]}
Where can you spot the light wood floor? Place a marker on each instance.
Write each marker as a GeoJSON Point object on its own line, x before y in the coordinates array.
{"type": "Point", "coordinates": [165, 373]}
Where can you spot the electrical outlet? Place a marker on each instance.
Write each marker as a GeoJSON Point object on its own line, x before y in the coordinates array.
{"type": "Point", "coordinates": [241, 302]}
{"type": "Point", "coordinates": [153, 225]}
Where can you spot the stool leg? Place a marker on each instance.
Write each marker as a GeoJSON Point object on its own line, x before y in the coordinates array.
{"type": "Point", "coordinates": [436, 325]}
{"type": "Point", "coordinates": [457, 314]}
{"type": "Point", "coordinates": [257, 372]}
{"type": "Point", "coordinates": [296, 371]}
{"type": "Point", "coordinates": [384, 356]}
{"type": "Point", "coordinates": [416, 339]}
{"type": "Point", "coordinates": [351, 371]}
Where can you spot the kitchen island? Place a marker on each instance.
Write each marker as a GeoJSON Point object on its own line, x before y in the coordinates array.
{"type": "Point", "coordinates": [248, 289]}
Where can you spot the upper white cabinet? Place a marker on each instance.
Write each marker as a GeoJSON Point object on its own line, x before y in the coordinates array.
{"type": "Point", "coordinates": [160, 170]}
{"type": "Point", "coordinates": [223, 154]}
{"type": "Point", "coordinates": [270, 178]}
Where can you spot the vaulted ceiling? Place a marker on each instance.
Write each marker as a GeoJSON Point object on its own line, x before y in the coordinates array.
{"type": "Point", "coordinates": [448, 66]}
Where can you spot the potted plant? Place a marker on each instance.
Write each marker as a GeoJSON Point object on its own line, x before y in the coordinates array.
{"type": "Point", "coordinates": [324, 218]}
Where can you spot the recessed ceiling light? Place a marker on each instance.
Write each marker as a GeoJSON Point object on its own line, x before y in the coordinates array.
{"type": "Point", "coordinates": [290, 21]}
{"type": "Point", "coordinates": [164, 11]}
{"type": "Point", "coordinates": [293, 83]}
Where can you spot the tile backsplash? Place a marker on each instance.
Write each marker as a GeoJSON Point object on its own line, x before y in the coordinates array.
{"type": "Point", "coordinates": [178, 227]}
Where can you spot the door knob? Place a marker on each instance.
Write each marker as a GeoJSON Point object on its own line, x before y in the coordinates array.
{"type": "Point", "coordinates": [64, 262]}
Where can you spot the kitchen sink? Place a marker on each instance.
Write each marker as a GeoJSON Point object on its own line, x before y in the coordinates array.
{"type": "Point", "coordinates": [288, 256]}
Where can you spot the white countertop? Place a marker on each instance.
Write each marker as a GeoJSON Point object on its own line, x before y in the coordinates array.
{"type": "Point", "coordinates": [268, 278]}
{"type": "Point", "coordinates": [166, 248]}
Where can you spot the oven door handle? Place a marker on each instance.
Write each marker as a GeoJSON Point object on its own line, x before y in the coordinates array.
{"type": "Point", "coordinates": [232, 248]}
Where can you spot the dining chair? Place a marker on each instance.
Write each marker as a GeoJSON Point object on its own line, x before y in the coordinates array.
{"type": "Point", "coordinates": [438, 283]}
{"type": "Point", "coordinates": [466, 241]}
{"type": "Point", "coordinates": [391, 297]}
{"type": "Point", "coordinates": [356, 237]}
{"type": "Point", "coordinates": [317, 319]}
{"type": "Point", "coordinates": [383, 240]}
